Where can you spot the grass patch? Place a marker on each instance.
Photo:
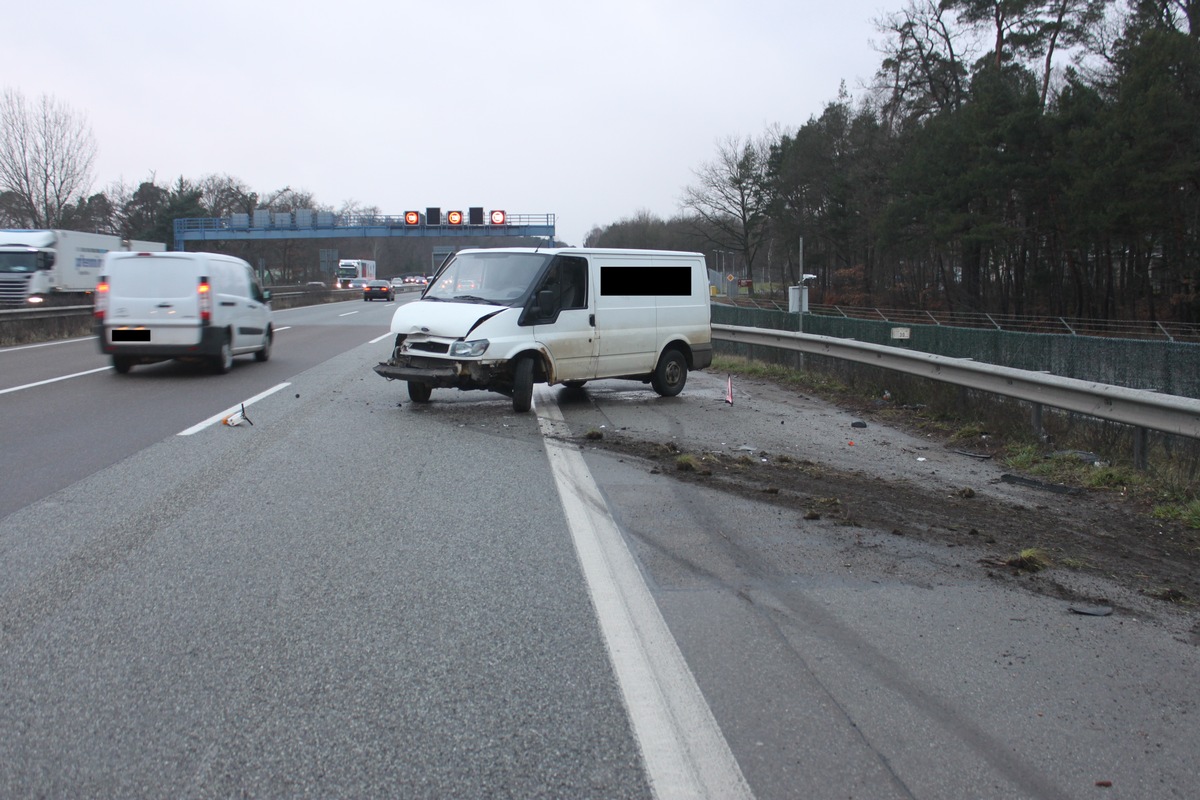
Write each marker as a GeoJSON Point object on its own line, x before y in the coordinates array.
{"type": "Point", "coordinates": [786, 376]}
{"type": "Point", "coordinates": [1031, 559]}
{"type": "Point", "coordinates": [686, 462]}
{"type": "Point", "coordinates": [1186, 512]}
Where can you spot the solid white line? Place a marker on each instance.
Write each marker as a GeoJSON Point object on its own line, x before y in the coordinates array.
{"type": "Point", "coordinates": [45, 344]}
{"type": "Point", "coordinates": [685, 753]}
{"type": "Point", "coordinates": [218, 417]}
{"type": "Point", "coordinates": [380, 338]}
{"type": "Point", "coordinates": [284, 328]}
{"type": "Point", "coordinates": [53, 380]}
{"type": "Point", "coordinates": [348, 313]}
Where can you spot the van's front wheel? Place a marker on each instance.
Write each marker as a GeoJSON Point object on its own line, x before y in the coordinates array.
{"type": "Point", "coordinates": [522, 395]}
{"type": "Point", "coordinates": [264, 353]}
{"type": "Point", "coordinates": [419, 392]}
{"type": "Point", "coordinates": [671, 374]}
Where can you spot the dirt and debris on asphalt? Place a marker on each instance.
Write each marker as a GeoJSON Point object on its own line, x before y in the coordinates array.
{"type": "Point", "coordinates": [859, 468]}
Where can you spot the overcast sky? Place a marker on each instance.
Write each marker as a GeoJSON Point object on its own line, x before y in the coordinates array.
{"type": "Point", "coordinates": [591, 111]}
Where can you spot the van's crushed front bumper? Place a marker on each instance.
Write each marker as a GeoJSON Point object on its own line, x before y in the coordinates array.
{"type": "Point", "coordinates": [441, 373]}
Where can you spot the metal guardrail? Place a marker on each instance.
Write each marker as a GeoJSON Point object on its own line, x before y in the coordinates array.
{"type": "Point", "coordinates": [1136, 407]}
{"type": "Point", "coordinates": [44, 312]}
{"type": "Point", "coordinates": [1065, 326]}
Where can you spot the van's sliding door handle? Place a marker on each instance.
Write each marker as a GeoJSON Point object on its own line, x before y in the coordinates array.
{"type": "Point", "coordinates": [592, 320]}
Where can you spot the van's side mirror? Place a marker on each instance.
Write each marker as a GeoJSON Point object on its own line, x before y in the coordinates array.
{"type": "Point", "coordinates": [545, 303]}
{"type": "Point", "coordinates": [266, 294]}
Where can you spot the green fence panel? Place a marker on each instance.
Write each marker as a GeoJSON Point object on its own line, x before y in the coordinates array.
{"type": "Point", "coordinates": [1167, 367]}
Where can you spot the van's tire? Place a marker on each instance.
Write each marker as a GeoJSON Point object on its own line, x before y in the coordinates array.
{"type": "Point", "coordinates": [265, 353]}
{"type": "Point", "coordinates": [223, 361]}
{"type": "Point", "coordinates": [671, 373]}
{"type": "Point", "coordinates": [522, 395]}
{"type": "Point", "coordinates": [419, 392]}
{"type": "Point", "coordinates": [122, 364]}
{"type": "Point", "coordinates": [574, 384]}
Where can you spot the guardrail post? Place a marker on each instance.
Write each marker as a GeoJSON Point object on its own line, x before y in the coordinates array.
{"type": "Point", "coordinates": [1140, 458]}
{"type": "Point", "coordinates": [1035, 418]}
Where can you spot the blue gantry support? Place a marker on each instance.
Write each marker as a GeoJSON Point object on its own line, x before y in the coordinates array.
{"type": "Point", "coordinates": [306, 224]}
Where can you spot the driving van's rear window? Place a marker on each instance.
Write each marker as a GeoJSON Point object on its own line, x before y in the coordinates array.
{"type": "Point", "coordinates": [643, 281]}
{"type": "Point", "coordinates": [152, 276]}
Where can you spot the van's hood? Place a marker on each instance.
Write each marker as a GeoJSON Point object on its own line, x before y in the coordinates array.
{"type": "Point", "coordinates": [436, 318]}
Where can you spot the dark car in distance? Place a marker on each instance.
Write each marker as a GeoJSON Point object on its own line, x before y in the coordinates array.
{"type": "Point", "coordinates": [380, 289]}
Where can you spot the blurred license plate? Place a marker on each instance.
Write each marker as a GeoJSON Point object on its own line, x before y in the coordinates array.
{"type": "Point", "coordinates": [131, 335]}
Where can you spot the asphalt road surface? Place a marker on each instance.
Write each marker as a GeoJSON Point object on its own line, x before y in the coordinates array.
{"type": "Point", "coordinates": [359, 596]}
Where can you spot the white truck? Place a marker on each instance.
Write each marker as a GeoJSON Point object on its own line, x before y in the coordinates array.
{"type": "Point", "coordinates": [40, 265]}
{"type": "Point", "coordinates": [350, 268]}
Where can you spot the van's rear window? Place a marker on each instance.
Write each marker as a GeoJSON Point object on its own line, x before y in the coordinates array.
{"type": "Point", "coordinates": [643, 281]}
{"type": "Point", "coordinates": [152, 277]}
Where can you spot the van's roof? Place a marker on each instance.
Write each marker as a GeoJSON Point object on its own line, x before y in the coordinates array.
{"type": "Point", "coordinates": [115, 255]}
{"type": "Point", "coordinates": [580, 251]}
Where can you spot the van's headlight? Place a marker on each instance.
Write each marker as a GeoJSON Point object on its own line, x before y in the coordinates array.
{"type": "Point", "coordinates": [475, 348]}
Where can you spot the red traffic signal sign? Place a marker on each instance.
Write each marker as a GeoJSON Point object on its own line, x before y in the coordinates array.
{"type": "Point", "coordinates": [499, 217]}
{"type": "Point", "coordinates": [454, 217]}
{"type": "Point", "coordinates": [412, 217]}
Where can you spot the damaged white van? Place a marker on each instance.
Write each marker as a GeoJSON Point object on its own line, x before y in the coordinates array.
{"type": "Point", "coordinates": [504, 319]}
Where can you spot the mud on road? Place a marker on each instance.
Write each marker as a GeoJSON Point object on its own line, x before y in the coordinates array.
{"type": "Point", "coordinates": [852, 467]}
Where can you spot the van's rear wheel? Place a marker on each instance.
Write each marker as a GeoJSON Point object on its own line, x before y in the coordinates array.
{"type": "Point", "coordinates": [671, 374]}
{"type": "Point", "coordinates": [522, 395]}
{"type": "Point", "coordinates": [419, 392]}
{"type": "Point", "coordinates": [574, 384]}
{"type": "Point", "coordinates": [122, 364]}
{"type": "Point", "coordinates": [223, 362]}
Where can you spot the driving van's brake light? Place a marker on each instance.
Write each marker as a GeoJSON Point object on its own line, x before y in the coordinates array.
{"type": "Point", "coordinates": [101, 301]}
{"type": "Point", "coordinates": [205, 301]}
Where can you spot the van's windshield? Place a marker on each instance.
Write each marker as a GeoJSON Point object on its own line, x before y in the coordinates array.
{"type": "Point", "coordinates": [500, 279]}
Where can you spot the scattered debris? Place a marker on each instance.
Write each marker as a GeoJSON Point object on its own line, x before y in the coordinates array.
{"type": "Point", "coordinates": [980, 456]}
{"type": "Point", "coordinates": [1058, 488]}
{"type": "Point", "coordinates": [593, 435]}
{"type": "Point", "coordinates": [811, 515]}
{"type": "Point", "coordinates": [1091, 611]}
{"type": "Point", "coordinates": [1170, 595]}
{"type": "Point", "coordinates": [729, 391]}
{"type": "Point", "coordinates": [858, 423]}
{"type": "Point", "coordinates": [237, 418]}
{"type": "Point", "coordinates": [967, 492]}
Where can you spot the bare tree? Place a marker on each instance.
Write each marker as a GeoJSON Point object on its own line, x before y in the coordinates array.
{"type": "Point", "coordinates": [731, 198]}
{"type": "Point", "coordinates": [225, 195]}
{"type": "Point", "coordinates": [46, 156]}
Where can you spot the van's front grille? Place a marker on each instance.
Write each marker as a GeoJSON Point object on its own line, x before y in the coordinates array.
{"type": "Point", "coordinates": [430, 347]}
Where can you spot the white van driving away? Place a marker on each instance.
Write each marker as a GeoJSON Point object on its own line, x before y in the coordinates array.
{"type": "Point", "coordinates": [504, 319]}
{"type": "Point", "coordinates": [202, 307]}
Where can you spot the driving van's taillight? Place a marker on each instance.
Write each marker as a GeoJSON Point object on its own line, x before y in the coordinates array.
{"type": "Point", "coordinates": [101, 301]}
{"type": "Point", "coordinates": [205, 301]}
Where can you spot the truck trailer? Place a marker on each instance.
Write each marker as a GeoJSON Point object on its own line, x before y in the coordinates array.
{"type": "Point", "coordinates": [39, 266]}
